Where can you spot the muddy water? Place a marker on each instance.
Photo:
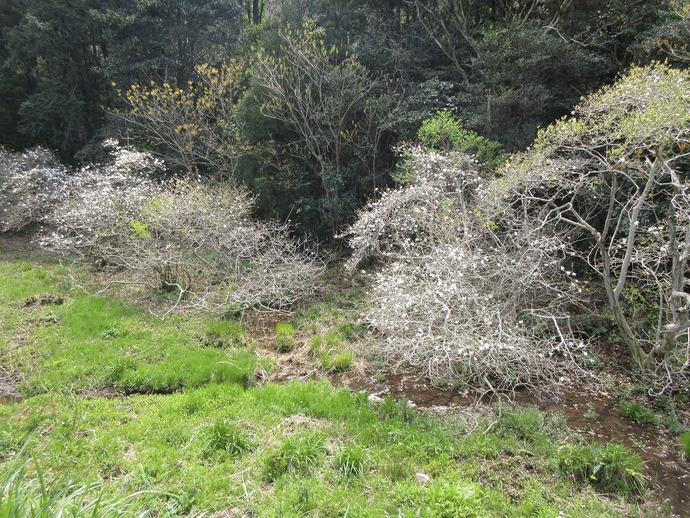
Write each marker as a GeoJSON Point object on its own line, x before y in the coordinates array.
{"type": "Point", "coordinates": [594, 416]}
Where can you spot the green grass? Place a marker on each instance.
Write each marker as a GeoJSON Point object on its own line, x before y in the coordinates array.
{"type": "Point", "coordinates": [639, 413]}
{"type": "Point", "coordinates": [90, 343]}
{"type": "Point", "coordinates": [608, 467]}
{"type": "Point", "coordinates": [685, 442]}
{"type": "Point", "coordinates": [196, 436]}
{"type": "Point", "coordinates": [297, 446]}
{"type": "Point", "coordinates": [285, 337]}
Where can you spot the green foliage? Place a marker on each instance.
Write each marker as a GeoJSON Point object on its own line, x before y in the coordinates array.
{"type": "Point", "coordinates": [139, 230]}
{"type": "Point", "coordinates": [294, 454]}
{"type": "Point", "coordinates": [324, 450]}
{"type": "Point", "coordinates": [685, 442]}
{"type": "Point", "coordinates": [528, 423]}
{"type": "Point", "coordinates": [609, 467]}
{"type": "Point", "coordinates": [24, 491]}
{"type": "Point", "coordinates": [336, 360]}
{"type": "Point", "coordinates": [226, 437]}
{"type": "Point", "coordinates": [351, 461]}
{"type": "Point", "coordinates": [524, 78]}
{"type": "Point", "coordinates": [285, 337]}
{"type": "Point", "coordinates": [92, 343]}
{"type": "Point", "coordinates": [223, 333]}
{"type": "Point", "coordinates": [444, 132]}
{"type": "Point", "coordinates": [639, 413]}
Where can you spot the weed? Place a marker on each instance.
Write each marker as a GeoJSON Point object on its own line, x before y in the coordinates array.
{"type": "Point", "coordinates": [685, 441]}
{"type": "Point", "coordinates": [336, 360]}
{"type": "Point", "coordinates": [380, 377]}
{"type": "Point", "coordinates": [589, 360]}
{"type": "Point", "coordinates": [351, 461]}
{"type": "Point", "coordinates": [22, 496]}
{"type": "Point", "coordinates": [225, 334]}
{"type": "Point", "coordinates": [265, 367]}
{"type": "Point", "coordinates": [285, 337]}
{"type": "Point", "coordinates": [590, 413]}
{"type": "Point", "coordinates": [296, 453]}
{"type": "Point", "coordinates": [528, 424]}
{"type": "Point", "coordinates": [350, 331]}
{"type": "Point", "coordinates": [609, 467]}
{"type": "Point", "coordinates": [226, 437]}
{"type": "Point", "coordinates": [396, 468]}
{"type": "Point", "coordinates": [319, 343]}
{"type": "Point", "coordinates": [114, 332]}
{"type": "Point", "coordinates": [638, 413]}
{"type": "Point", "coordinates": [441, 383]}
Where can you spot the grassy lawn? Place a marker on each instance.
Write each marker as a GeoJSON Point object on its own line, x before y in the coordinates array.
{"type": "Point", "coordinates": [186, 431]}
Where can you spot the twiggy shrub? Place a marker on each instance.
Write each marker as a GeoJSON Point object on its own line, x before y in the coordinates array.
{"type": "Point", "coordinates": [188, 237]}
{"type": "Point", "coordinates": [31, 184]}
{"type": "Point", "coordinates": [457, 295]}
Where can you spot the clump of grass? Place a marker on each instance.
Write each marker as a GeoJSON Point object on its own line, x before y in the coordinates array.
{"type": "Point", "coordinates": [330, 351]}
{"type": "Point", "coordinates": [528, 423]}
{"type": "Point", "coordinates": [295, 453]}
{"type": "Point", "coordinates": [320, 343]}
{"type": "Point", "coordinates": [441, 383]}
{"type": "Point", "coordinates": [285, 337]}
{"type": "Point", "coordinates": [685, 441]}
{"type": "Point", "coordinates": [350, 331]}
{"type": "Point", "coordinates": [336, 360]}
{"type": "Point", "coordinates": [351, 461]}
{"type": "Point", "coordinates": [223, 436]}
{"type": "Point", "coordinates": [21, 495]}
{"type": "Point", "coordinates": [638, 413]}
{"type": "Point", "coordinates": [609, 467]}
{"type": "Point", "coordinates": [225, 333]}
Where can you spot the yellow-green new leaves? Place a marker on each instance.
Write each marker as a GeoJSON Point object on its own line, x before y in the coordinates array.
{"type": "Point", "coordinates": [647, 109]}
{"type": "Point", "coordinates": [612, 183]}
{"type": "Point", "coordinates": [194, 126]}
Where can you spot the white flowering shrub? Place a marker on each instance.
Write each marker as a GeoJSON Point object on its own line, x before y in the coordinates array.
{"type": "Point", "coordinates": [612, 184]}
{"type": "Point", "coordinates": [192, 238]}
{"type": "Point", "coordinates": [430, 209]}
{"type": "Point", "coordinates": [100, 201]}
{"type": "Point", "coordinates": [457, 297]}
{"type": "Point", "coordinates": [473, 311]}
{"type": "Point", "coordinates": [31, 184]}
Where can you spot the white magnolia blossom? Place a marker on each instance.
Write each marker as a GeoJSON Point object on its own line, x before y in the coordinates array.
{"type": "Point", "coordinates": [189, 237]}
{"type": "Point", "coordinates": [455, 293]}
{"type": "Point", "coordinates": [31, 183]}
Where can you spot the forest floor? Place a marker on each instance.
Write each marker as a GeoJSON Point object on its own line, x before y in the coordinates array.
{"type": "Point", "coordinates": [81, 378]}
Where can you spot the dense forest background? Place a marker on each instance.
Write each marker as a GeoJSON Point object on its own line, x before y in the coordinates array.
{"type": "Point", "coordinates": [305, 101]}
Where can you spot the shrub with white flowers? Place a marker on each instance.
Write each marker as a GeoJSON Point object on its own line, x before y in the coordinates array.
{"type": "Point", "coordinates": [31, 183]}
{"type": "Point", "coordinates": [192, 238]}
{"type": "Point", "coordinates": [431, 208]}
{"type": "Point", "coordinates": [457, 297]}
